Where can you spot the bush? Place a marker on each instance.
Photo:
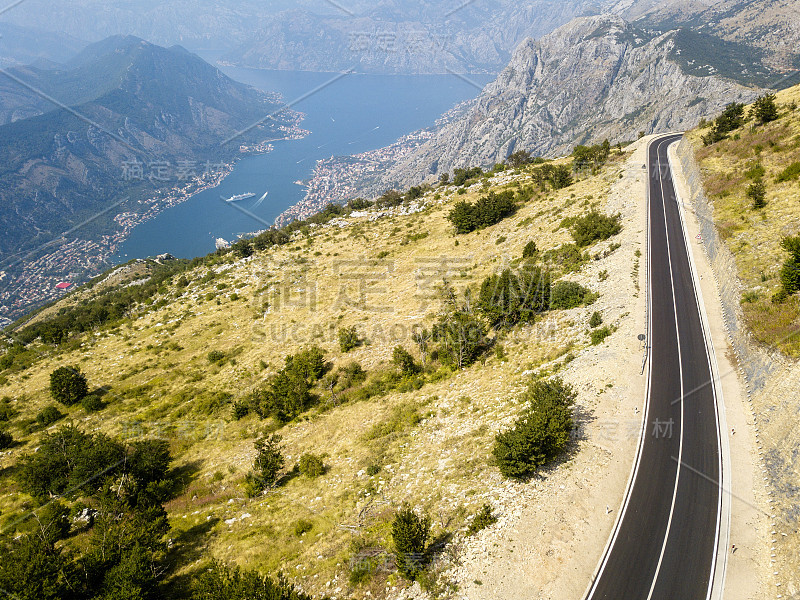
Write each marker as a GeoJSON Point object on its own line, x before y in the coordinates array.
{"type": "Point", "coordinates": [67, 461]}
{"type": "Point", "coordinates": [68, 385]}
{"type": "Point", "coordinates": [302, 526]}
{"type": "Point", "coordinates": [569, 294]}
{"type": "Point", "coordinates": [483, 519]}
{"type": "Point", "coordinates": [216, 357]}
{"type": "Point", "coordinates": [268, 463]}
{"type": "Point", "coordinates": [757, 193]}
{"type": "Point", "coordinates": [461, 338]}
{"type": "Point", "coordinates": [591, 156]}
{"type": "Point", "coordinates": [507, 299]}
{"type": "Point", "coordinates": [731, 118]}
{"type": "Point", "coordinates": [219, 582]}
{"type": "Point", "coordinates": [311, 465]}
{"type": "Point", "coordinates": [568, 257]}
{"type": "Point", "coordinates": [519, 158]}
{"type": "Point", "coordinates": [240, 410]}
{"type": "Point", "coordinates": [487, 211]}
{"type": "Point", "coordinates": [596, 320]}
{"type": "Point", "coordinates": [49, 415]}
{"type": "Point", "coordinates": [598, 335]}
{"type": "Point", "coordinates": [461, 176]}
{"type": "Point", "coordinates": [764, 109]}
{"type": "Point", "coordinates": [6, 439]}
{"type": "Point", "coordinates": [540, 434]}
{"type": "Point", "coordinates": [790, 272]}
{"type": "Point", "coordinates": [404, 361]}
{"type": "Point", "coordinates": [595, 226]}
{"type": "Point", "coordinates": [348, 338]}
{"type": "Point", "coordinates": [410, 534]}
{"type": "Point", "coordinates": [530, 250]}
{"type": "Point", "coordinates": [92, 403]}
{"type": "Point", "coordinates": [789, 173]}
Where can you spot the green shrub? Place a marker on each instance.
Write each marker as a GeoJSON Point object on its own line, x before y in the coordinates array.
{"type": "Point", "coordinates": [302, 526]}
{"type": "Point", "coordinates": [460, 338]}
{"type": "Point", "coordinates": [789, 173]}
{"type": "Point", "coordinates": [487, 211]}
{"type": "Point", "coordinates": [757, 193]}
{"type": "Point", "coordinates": [567, 257]}
{"type": "Point", "coordinates": [404, 361]}
{"type": "Point", "coordinates": [311, 465]}
{"type": "Point", "coordinates": [790, 272]}
{"type": "Point", "coordinates": [216, 357]}
{"type": "Point", "coordinates": [268, 463]}
{"type": "Point", "coordinates": [240, 409]}
{"type": "Point", "coordinates": [595, 226]}
{"type": "Point", "coordinates": [348, 338]}
{"type": "Point", "coordinates": [373, 470]}
{"type": "Point", "coordinates": [462, 176]}
{"type": "Point", "coordinates": [540, 434]}
{"type": "Point", "coordinates": [6, 439]}
{"type": "Point", "coordinates": [507, 299]}
{"type": "Point", "coordinates": [598, 335]}
{"type": "Point", "coordinates": [596, 320]}
{"type": "Point", "coordinates": [219, 582]}
{"type": "Point", "coordinates": [410, 534]}
{"type": "Point", "coordinates": [68, 461]}
{"type": "Point", "coordinates": [68, 385]}
{"type": "Point", "coordinates": [483, 519]}
{"type": "Point", "coordinates": [731, 118]}
{"type": "Point", "coordinates": [764, 109]}
{"type": "Point", "coordinates": [92, 403]}
{"type": "Point", "coordinates": [49, 415]}
{"type": "Point", "coordinates": [570, 294]}
{"type": "Point", "coordinates": [530, 250]}
{"type": "Point", "coordinates": [757, 171]}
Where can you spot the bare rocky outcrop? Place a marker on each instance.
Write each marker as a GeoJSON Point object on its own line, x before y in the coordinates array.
{"type": "Point", "coordinates": [594, 78]}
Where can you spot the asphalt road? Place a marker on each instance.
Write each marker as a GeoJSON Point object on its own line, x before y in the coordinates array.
{"type": "Point", "coordinates": [663, 546]}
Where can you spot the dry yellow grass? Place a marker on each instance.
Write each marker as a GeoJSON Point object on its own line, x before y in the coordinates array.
{"type": "Point", "coordinates": [754, 236]}
{"type": "Point", "coordinates": [371, 274]}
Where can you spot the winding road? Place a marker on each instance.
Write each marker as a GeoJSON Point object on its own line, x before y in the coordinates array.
{"type": "Point", "coordinates": [665, 543]}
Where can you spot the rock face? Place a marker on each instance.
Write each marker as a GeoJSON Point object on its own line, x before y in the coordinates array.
{"type": "Point", "coordinates": [414, 37]}
{"type": "Point", "coordinates": [594, 78]}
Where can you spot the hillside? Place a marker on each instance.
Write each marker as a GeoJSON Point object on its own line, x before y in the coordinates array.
{"type": "Point", "coordinates": [124, 125]}
{"type": "Point", "coordinates": [752, 268]}
{"type": "Point", "coordinates": [179, 357]}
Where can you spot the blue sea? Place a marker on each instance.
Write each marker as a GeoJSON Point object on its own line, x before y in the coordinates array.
{"type": "Point", "coordinates": [351, 114]}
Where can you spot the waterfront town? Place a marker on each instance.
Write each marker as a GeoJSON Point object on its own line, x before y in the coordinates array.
{"type": "Point", "coordinates": [32, 279]}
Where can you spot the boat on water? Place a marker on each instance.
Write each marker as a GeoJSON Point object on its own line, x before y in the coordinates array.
{"type": "Point", "coordinates": [238, 197]}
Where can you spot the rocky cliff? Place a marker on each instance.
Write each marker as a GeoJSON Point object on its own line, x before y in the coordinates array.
{"type": "Point", "coordinates": [594, 78]}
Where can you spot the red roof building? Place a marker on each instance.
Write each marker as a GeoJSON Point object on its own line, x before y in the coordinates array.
{"type": "Point", "coordinates": [63, 285]}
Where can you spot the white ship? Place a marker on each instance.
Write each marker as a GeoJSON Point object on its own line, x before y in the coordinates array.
{"type": "Point", "coordinates": [238, 197]}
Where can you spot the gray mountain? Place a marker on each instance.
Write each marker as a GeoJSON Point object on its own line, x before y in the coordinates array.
{"type": "Point", "coordinates": [594, 78]}
{"type": "Point", "coordinates": [407, 37]}
{"type": "Point", "coordinates": [122, 101]}
{"type": "Point", "coordinates": [24, 45]}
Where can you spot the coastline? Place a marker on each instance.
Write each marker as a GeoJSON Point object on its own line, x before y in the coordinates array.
{"type": "Point", "coordinates": [77, 260]}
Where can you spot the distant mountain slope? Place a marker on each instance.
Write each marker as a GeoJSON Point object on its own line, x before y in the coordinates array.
{"type": "Point", "coordinates": [131, 102]}
{"type": "Point", "coordinates": [413, 38]}
{"type": "Point", "coordinates": [23, 45]}
{"type": "Point", "coordinates": [771, 26]}
{"type": "Point", "coordinates": [594, 78]}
